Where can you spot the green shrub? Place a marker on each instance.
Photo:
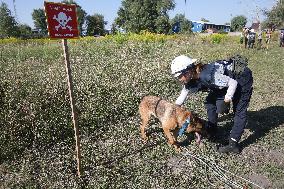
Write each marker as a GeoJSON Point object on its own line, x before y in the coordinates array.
{"type": "Point", "coordinates": [217, 38]}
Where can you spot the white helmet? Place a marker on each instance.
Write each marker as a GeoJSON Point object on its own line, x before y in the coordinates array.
{"type": "Point", "coordinates": [181, 64]}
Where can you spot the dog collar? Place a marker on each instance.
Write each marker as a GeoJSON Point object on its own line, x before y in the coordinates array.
{"type": "Point", "coordinates": [184, 126]}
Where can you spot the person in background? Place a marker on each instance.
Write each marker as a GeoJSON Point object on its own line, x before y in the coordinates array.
{"type": "Point", "coordinates": [268, 37]}
{"type": "Point", "coordinates": [227, 81]}
{"type": "Point", "coordinates": [281, 38]}
{"type": "Point", "coordinates": [251, 38]}
{"type": "Point", "coordinates": [245, 34]}
{"type": "Point", "coordinates": [259, 39]}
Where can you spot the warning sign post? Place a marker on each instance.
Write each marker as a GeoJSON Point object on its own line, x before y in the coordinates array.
{"type": "Point", "coordinates": [62, 24]}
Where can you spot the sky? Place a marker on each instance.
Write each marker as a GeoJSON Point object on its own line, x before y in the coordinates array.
{"type": "Point", "coordinates": [216, 11]}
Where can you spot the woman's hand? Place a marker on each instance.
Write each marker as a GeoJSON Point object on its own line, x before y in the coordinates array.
{"type": "Point", "coordinates": [224, 107]}
{"type": "Point", "coordinates": [227, 100]}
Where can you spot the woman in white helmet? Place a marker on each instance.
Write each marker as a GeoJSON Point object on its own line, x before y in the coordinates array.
{"type": "Point", "coordinates": [226, 81]}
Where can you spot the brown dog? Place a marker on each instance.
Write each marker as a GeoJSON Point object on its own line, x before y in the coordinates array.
{"type": "Point", "coordinates": [171, 116]}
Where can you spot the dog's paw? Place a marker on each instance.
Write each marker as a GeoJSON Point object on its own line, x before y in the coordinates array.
{"type": "Point", "coordinates": [178, 149]}
{"type": "Point", "coordinates": [143, 136]}
{"type": "Point", "coordinates": [145, 139]}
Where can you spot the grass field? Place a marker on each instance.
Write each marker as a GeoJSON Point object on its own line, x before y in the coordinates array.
{"type": "Point", "coordinates": [37, 148]}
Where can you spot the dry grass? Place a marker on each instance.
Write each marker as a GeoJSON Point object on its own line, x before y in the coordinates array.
{"type": "Point", "coordinates": [36, 137]}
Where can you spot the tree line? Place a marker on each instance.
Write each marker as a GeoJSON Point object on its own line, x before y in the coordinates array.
{"type": "Point", "coordinates": [133, 16]}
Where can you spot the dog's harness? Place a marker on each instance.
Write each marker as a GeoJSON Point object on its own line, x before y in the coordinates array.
{"type": "Point", "coordinates": [157, 105]}
{"type": "Point", "coordinates": [184, 126]}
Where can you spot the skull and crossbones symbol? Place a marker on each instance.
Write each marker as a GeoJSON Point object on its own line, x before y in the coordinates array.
{"type": "Point", "coordinates": [62, 19]}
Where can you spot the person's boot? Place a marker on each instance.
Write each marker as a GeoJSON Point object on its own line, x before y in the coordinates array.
{"type": "Point", "coordinates": [231, 147]}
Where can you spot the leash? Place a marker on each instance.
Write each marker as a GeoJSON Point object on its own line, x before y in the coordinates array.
{"type": "Point", "coordinates": [219, 171]}
{"type": "Point", "coordinates": [184, 126]}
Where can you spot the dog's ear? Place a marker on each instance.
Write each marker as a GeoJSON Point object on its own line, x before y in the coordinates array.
{"type": "Point", "coordinates": [194, 117]}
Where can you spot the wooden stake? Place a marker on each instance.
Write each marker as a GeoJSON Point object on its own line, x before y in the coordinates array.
{"type": "Point", "coordinates": [72, 102]}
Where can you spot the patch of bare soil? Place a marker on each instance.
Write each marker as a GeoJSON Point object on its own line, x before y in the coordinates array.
{"type": "Point", "coordinates": [259, 157]}
{"type": "Point", "coordinates": [178, 164]}
{"type": "Point", "coordinates": [260, 180]}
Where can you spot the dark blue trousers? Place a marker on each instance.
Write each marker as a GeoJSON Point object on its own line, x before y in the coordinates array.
{"type": "Point", "coordinates": [240, 104]}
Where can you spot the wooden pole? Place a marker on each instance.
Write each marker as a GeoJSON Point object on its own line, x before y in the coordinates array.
{"type": "Point", "coordinates": [72, 102]}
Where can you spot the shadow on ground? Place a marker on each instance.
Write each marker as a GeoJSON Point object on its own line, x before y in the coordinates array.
{"type": "Point", "coordinates": [259, 123]}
